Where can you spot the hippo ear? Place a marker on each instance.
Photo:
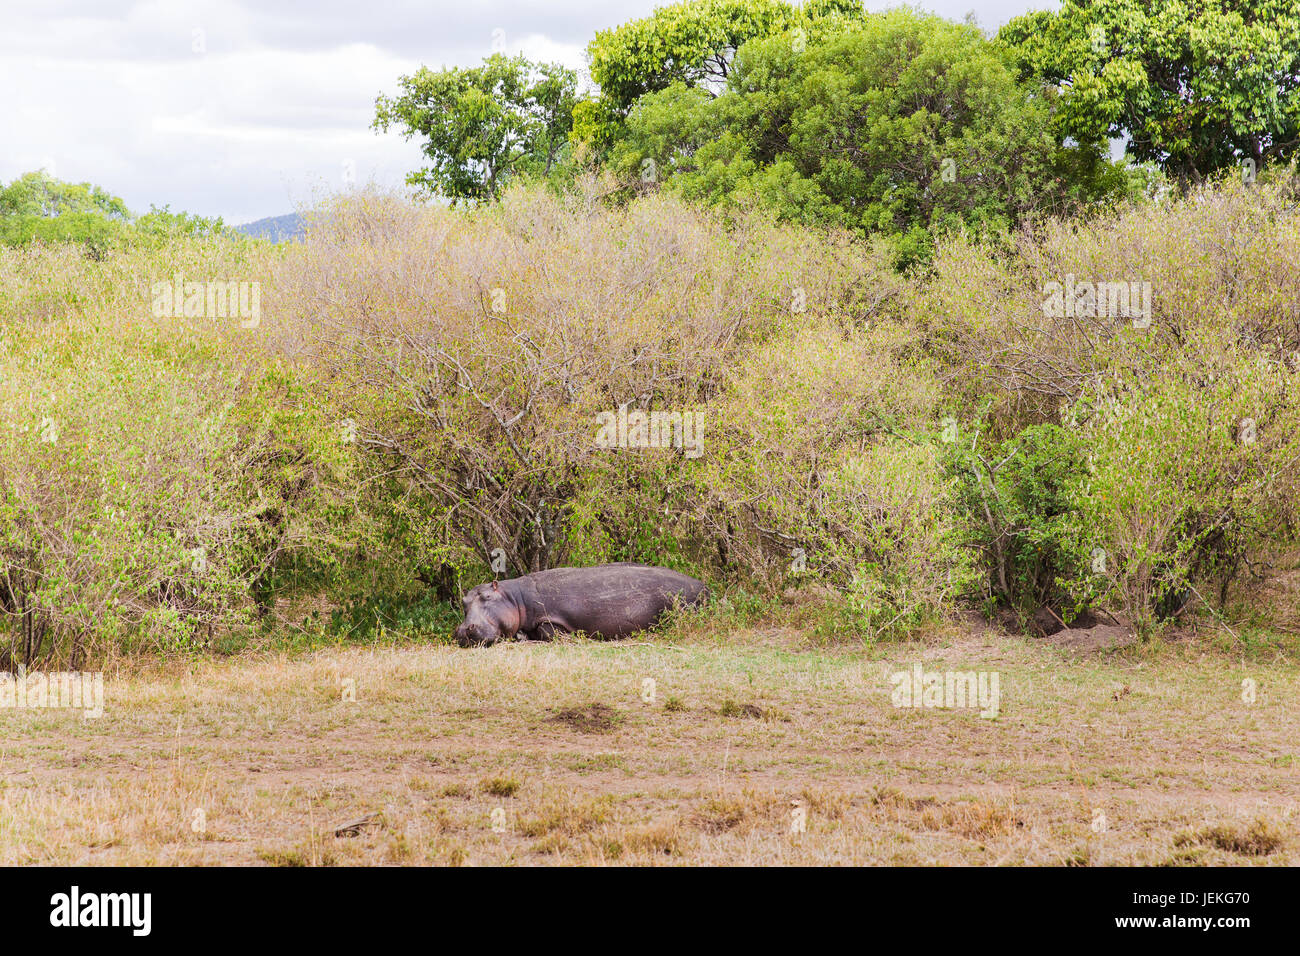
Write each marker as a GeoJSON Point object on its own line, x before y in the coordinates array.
{"type": "Point", "coordinates": [496, 585]}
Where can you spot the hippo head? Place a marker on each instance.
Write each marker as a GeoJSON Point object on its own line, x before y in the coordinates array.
{"type": "Point", "coordinates": [491, 615]}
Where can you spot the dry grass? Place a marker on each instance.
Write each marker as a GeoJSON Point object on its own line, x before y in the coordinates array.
{"type": "Point", "coordinates": [500, 786]}
{"type": "Point", "coordinates": [1260, 838]}
{"type": "Point", "coordinates": [592, 719]}
{"type": "Point", "coordinates": [457, 757]}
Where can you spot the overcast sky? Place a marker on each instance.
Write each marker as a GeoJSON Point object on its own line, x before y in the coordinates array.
{"type": "Point", "coordinates": [249, 108]}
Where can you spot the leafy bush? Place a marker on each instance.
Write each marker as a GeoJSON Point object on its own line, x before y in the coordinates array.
{"type": "Point", "coordinates": [153, 470]}
{"type": "Point", "coordinates": [822, 470]}
{"type": "Point", "coordinates": [1021, 502]}
{"type": "Point", "coordinates": [1180, 505]}
{"type": "Point", "coordinates": [416, 411]}
{"type": "Point", "coordinates": [1195, 477]}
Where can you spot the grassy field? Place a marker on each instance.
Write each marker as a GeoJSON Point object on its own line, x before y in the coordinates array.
{"type": "Point", "coordinates": [546, 754]}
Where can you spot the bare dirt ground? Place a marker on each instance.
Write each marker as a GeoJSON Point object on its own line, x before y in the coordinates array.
{"type": "Point", "coordinates": [753, 750]}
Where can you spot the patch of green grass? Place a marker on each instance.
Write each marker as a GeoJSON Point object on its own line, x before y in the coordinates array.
{"type": "Point", "coordinates": [594, 763]}
{"type": "Point", "coordinates": [500, 786]}
{"type": "Point", "coordinates": [371, 619]}
{"type": "Point", "coordinates": [730, 708]}
{"type": "Point", "coordinates": [296, 857]}
{"type": "Point", "coordinates": [1259, 838]}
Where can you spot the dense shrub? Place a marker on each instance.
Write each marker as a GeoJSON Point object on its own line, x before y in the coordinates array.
{"type": "Point", "coordinates": [1021, 504]}
{"type": "Point", "coordinates": [1175, 496]}
{"type": "Point", "coordinates": [475, 351]}
{"type": "Point", "coordinates": [1195, 476]}
{"type": "Point", "coordinates": [417, 410]}
{"type": "Point", "coordinates": [153, 470]}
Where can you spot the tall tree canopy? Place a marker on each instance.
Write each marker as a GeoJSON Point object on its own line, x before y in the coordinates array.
{"type": "Point", "coordinates": [38, 207]}
{"type": "Point", "coordinates": [483, 125]}
{"type": "Point", "coordinates": [1194, 85]}
{"type": "Point", "coordinates": [693, 43]}
{"type": "Point", "coordinates": [901, 123]}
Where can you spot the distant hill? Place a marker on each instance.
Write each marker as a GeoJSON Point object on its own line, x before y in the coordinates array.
{"type": "Point", "coordinates": [276, 228]}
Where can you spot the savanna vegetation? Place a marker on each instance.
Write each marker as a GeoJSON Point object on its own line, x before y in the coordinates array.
{"type": "Point", "coordinates": [951, 388]}
{"type": "Point", "coordinates": [827, 237]}
{"type": "Point", "coordinates": [418, 395]}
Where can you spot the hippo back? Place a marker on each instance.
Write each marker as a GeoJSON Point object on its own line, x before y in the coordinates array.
{"type": "Point", "coordinates": [611, 600]}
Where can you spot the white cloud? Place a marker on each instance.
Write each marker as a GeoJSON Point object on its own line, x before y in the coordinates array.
{"type": "Point", "coordinates": [242, 135]}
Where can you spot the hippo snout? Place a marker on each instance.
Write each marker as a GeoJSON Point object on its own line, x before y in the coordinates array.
{"type": "Point", "coordinates": [467, 635]}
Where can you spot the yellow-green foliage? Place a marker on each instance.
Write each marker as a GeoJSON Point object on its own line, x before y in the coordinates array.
{"type": "Point", "coordinates": [152, 469]}
{"type": "Point", "coordinates": [826, 469]}
{"type": "Point", "coordinates": [1191, 414]}
{"type": "Point", "coordinates": [475, 351]}
{"type": "Point", "coordinates": [423, 385]}
{"type": "Point", "coordinates": [1194, 472]}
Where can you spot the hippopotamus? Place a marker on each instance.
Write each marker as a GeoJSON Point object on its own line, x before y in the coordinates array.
{"type": "Point", "coordinates": [607, 601]}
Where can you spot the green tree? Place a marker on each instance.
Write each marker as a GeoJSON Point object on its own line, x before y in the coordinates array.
{"type": "Point", "coordinates": [39, 194]}
{"type": "Point", "coordinates": [693, 43]}
{"type": "Point", "coordinates": [902, 124]}
{"type": "Point", "coordinates": [36, 206]}
{"type": "Point", "coordinates": [160, 225]}
{"type": "Point", "coordinates": [483, 125]}
{"type": "Point", "coordinates": [1195, 85]}
{"type": "Point", "coordinates": [1019, 502]}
